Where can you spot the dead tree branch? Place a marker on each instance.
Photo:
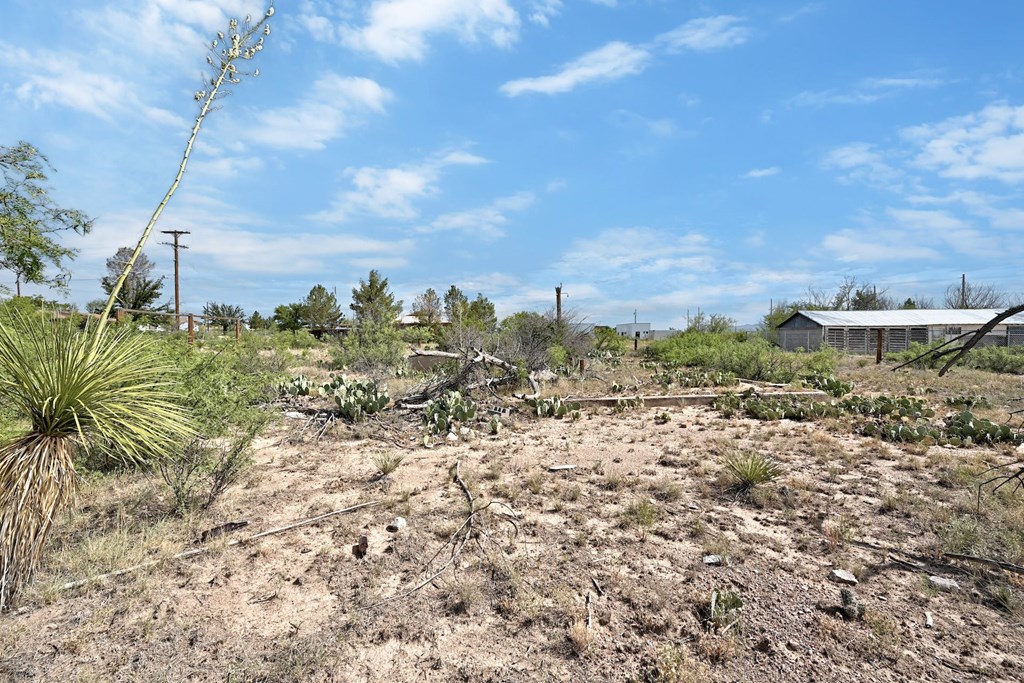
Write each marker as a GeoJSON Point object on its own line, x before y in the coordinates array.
{"type": "Point", "coordinates": [979, 334]}
{"type": "Point", "coordinates": [471, 360]}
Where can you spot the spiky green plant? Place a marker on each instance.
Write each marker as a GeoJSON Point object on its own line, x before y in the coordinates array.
{"type": "Point", "coordinates": [97, 386]}
{"type": "Point", "coordinates": [122, 399]}
{"type": "Point", "coordinates": [748, 470]}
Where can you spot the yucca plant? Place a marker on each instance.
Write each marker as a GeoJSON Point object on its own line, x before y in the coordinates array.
{"type": "Point", "coordinates": [748, 470]}
{"type": "Point", "coordinates": [81, 389]}
{"type": "Point", "coordinates": [122, 399]}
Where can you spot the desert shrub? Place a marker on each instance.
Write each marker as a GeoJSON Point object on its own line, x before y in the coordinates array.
{"type": "Point", "coordinates": [928, 362]}
{"type": "Point", "coordinates": [226, 393]}
{"type": "Point", "coordinates": [372, 348]}
{"type": "Point", "coordinates": [608, 341]}
{"type": "Point", "coordinates": [821, 362]}
{"type": "Point", "coordinates": [745, 357]}
{"type": "Point", "coordinates": [1008, 360]}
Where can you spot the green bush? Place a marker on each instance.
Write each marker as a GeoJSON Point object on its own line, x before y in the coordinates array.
{"type": "Point", "coordinates": [372, 348]}
{"type": "Point", "coordinates": [226, 393]}
{"type": "Point", "coordinates": [1008, 360]}
{"type": "Point", "coordinates": [746, 357]}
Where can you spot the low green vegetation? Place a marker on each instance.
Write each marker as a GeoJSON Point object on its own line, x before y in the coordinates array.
{"type": "Point", "coordinates": [1004, 360]}
{"type": "Point", "coordinates": [442, 415]}
{"type": "Point", "coordinates": [736, 355]}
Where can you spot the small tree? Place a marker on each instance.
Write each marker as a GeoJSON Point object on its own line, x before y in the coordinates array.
{"type": "Point", "coordinates": [375, 344]}
{"type": "Point", "coordinates": [428, 308]}
{"type": "Point", "coordinates": [288, 317]}
{"type": "Point", "coordinates": [320, 310]}
{"type": "Point", "coordinates": [140, 289]}
{"type": "Point", "coordinates": [972, 295]}
{"type": "Point", "coordinates": [372, 301]}
{"type": "Point", "coordinates": [224, 314]}
{"type": "Point", "coordinates": [258, 322]}
{"type": "Point", "coordinates": [30, 219]}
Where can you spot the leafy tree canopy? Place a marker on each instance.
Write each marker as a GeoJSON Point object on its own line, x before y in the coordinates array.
{"type": "Point", "coordinates": [30, 219]}
{"type": "Point", "coordinates": [222, 314]}
{"type": "Point", "coordinates": [373, 301]}
{"type": "Point", "coordinates": [140, 290]}
{"type": "Point", "coordinates": [320, 309]}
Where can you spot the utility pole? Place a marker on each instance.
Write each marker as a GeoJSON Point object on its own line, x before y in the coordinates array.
{"type": "Point", "coordinates": [963, 290]}
{"type": "Point", "coordinates": [558, 304]}
{"type": "Point", "coordinates": [177, 294]}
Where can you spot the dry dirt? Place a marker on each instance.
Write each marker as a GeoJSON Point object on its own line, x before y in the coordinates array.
{"type": "Point", "coordinates": [629, 526]}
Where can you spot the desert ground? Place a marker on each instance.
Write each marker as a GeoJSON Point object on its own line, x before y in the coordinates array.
{"type": "Point", "coordinates": [642, 562]}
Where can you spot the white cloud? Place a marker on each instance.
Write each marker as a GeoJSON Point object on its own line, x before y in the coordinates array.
{"type": "Point", "coordinates": [486, 221]}
{"type": "Point", "coordinates": [541, 11]}
{"type": "Point", "coordinates": [397, 30]}
{"type": "Point", "coordinates": [985, 145]}
{"type": "Point", "coordinates": [54, 78]}
{"type": "Point", "coordinates": [858, 246]}
{"type": "Point", "coordinates": [608, 63]}
{"type": "Point", "coordinates": [978, 204]}
{"type": "Point", "coordinates": [705, 33]}
{"type": "Point", "coordinates": [334, 104]}
{"type": "Point", "coordinates": [865, 91]}
{"type": "Point", "coordinates": [392, 192]}
{"type": "Point", "coordinates": [627, 253]}
{"type": "Point", "coordinates": [662, 128]}
{"type": "Point", "coordinates": [762, 172]}
{"type": "Point", "coordinates": [863, 163]}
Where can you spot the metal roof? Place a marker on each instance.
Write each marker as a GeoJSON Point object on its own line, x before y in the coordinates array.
{"type": "Point", "coordinates": [907, 317]}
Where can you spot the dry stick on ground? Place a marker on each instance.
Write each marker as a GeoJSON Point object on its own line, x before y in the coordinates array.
{"type": "Point", "coordinates": [463, 534]}
{"type": "Point", "coordinates": [1007, 566]}
{"type": "Point", "coordinates": [205, 549]}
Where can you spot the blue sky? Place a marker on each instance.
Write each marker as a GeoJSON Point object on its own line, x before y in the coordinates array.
{"type": "Point", "coordinates": [653, 155]}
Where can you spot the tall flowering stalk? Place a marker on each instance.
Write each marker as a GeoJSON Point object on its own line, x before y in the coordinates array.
{"type": "Point", "coordinates": [97, 386]}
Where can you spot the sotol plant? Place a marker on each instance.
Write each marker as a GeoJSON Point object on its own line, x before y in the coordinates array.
{"type": "Point", "coordinates": [97, 386]}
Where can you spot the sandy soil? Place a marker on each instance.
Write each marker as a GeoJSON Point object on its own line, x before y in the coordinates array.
{"type": "Point", "coordinates": [629, 527]}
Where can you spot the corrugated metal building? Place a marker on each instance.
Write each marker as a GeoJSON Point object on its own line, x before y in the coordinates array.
{"type": "Point", "coordinates": [857, 331]}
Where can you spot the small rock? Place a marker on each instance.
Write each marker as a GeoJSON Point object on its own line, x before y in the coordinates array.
{"type": "Point", "coordinates": [397, 524]}
{"type": "Point", "coordinates": [851, 609]}
{"type": "Point", "coordinates": [452, 436]}
{"type": "Point", "coordinates": [843, 576]}
{"type": "Point", "coordinates": [928, 621]}
{"type": "Point", "coordinates": [294, 415]}
{"type": "Point", "coordinates": [359, 549]}
{"type": "Point", "coordinates": [941, 583]}
{"type": "Point", "coordinates": [713, 560]}
{"type": "Point", "coordinates": [464, 431]}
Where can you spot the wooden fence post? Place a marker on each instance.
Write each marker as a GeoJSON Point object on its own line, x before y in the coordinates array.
{"type": "Point", "coordinates": [191, 329]}
{"type": "Point", "coordinates": [238, 331]}
{"type": "Point", "coordinates": [878, 347]}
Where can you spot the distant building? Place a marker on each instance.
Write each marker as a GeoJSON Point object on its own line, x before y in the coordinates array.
{"type": "Point", "coordinates": [857, 331]}
{"type": "Point", "coordinates": [634, 330]}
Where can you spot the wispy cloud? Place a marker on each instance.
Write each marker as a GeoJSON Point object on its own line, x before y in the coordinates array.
{"type": "Point", "coordinates": [619, 59]}
{"type": "Point", "coordinates": [662, 127]}
{"type": "Point", "coordinates": [862, 162]}
{"type": "Point", "coordinates": [608, 63]}
{"type": "Point", "coordinates": [865, 91]}
{"type": "Point", "coordinates": [397, 30]}
{"type": "Point", "coordinates": [762, 172]}
{"type": "Point", "coordinates": [334, 104]}
{"type": "Point", "coordinates": [392, 192]}
{"type": "Point", "coordinates": [705, 33]}
{"type": "Point", "coordinates": [55, 78]}
{"type": "Point", "coordinates": [802, 11]}
{"type": "Point", "coordinates": [542, 11]}
{"type": "Point", "coordinates": [485, 221]}
{"type": "Point", "coordinates": [626, 253]}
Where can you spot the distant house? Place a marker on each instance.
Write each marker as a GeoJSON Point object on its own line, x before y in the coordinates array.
{"type": "Point", "coordinates": [858, 331]}
{"type": "Point", "coordinates": [634, 330]}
